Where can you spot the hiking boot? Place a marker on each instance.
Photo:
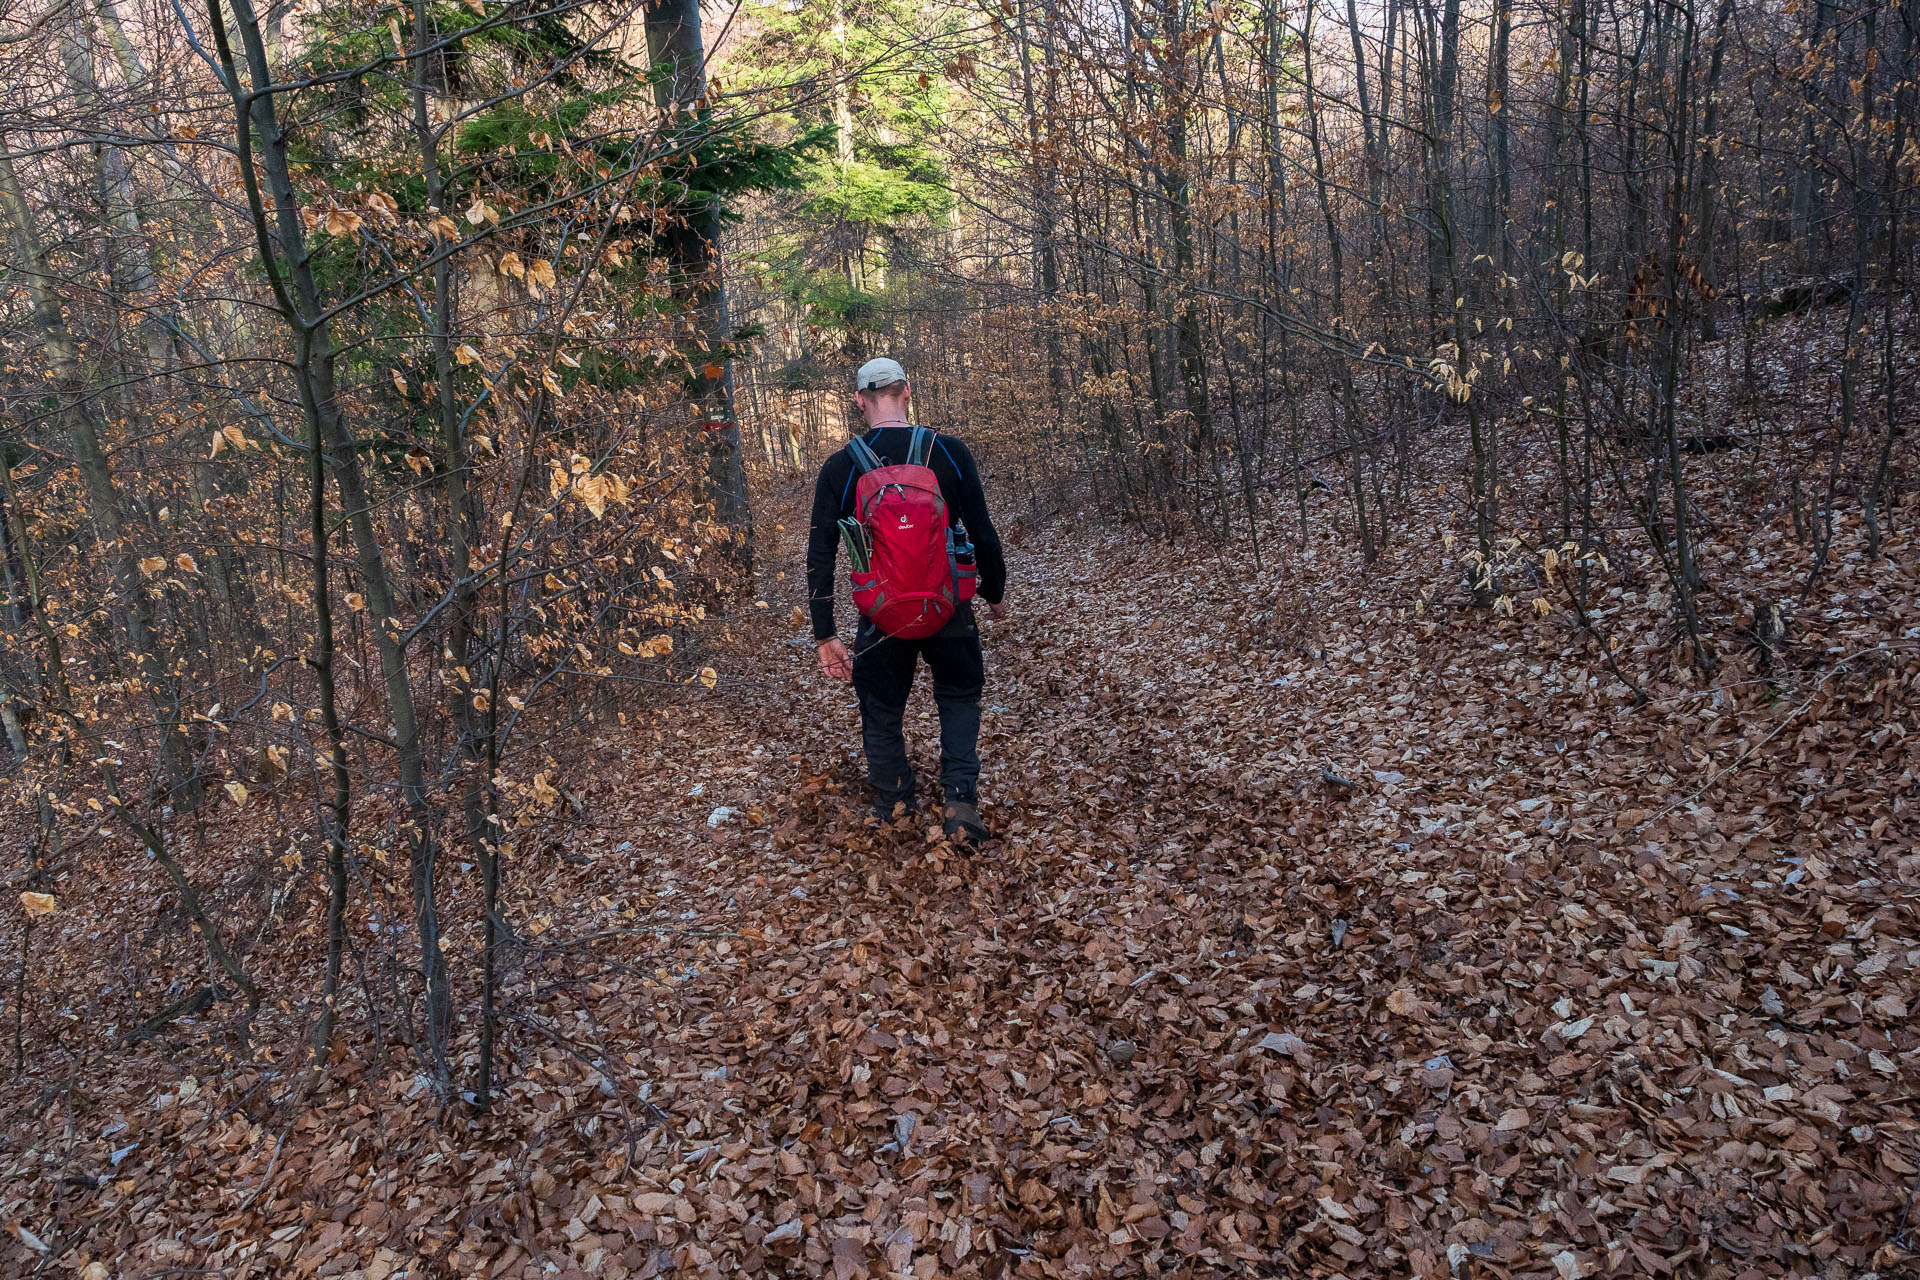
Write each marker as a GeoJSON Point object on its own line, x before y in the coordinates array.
{"type": "Point", "coordinates": [899, 810]}
{"type": "Point", "coordinates": [963, 822]}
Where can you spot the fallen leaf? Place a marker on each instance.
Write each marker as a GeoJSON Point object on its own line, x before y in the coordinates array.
{"type": "Point", "coordinates": [1285, 1042]}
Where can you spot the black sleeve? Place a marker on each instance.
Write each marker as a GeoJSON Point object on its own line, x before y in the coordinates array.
{"type": "Point", "coordinates": [823, 549]}
{"type": "Point", "coordinates": [973, 514]}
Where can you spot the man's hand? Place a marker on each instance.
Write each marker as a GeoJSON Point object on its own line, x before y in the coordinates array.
{"type": "Point", "coordinates": [997, 610]}
{"type": "Point", "coordinates": [834, 660]}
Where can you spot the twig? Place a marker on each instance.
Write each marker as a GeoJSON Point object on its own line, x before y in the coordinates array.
{"type": "Point", "coordinates": [266, 1177]}
{"type": "Point", "coordinates": [655, 930]}
{"type": "Point", "coordinates": [191, 1005]}
{"type": "Point", "coordinates": [1806, 702]}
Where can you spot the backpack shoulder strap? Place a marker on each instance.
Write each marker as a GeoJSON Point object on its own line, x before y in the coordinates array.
{"type": "Point", "coordinates": [919, 447]}
{"type": "Point", "coordinates": [864, 458]}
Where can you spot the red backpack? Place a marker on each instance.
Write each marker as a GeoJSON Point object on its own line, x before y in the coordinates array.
{"type": "Point", "coordinates": [915, 579]}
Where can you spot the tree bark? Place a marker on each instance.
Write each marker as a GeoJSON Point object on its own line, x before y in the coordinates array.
{"type": "Point", "coordinates": [692, 244]}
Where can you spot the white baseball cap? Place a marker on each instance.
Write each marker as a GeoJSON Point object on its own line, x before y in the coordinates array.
{"type": "Point", "coordinates": [880, 372]}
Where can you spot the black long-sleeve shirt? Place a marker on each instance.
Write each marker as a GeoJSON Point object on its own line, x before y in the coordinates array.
{"type": "Point", "coordinates": [833, 496]}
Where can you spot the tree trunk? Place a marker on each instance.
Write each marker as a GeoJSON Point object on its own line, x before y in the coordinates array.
{"type": "Point", "coordinates": [692, 244]}
{"type": "Point", "coordinates": [289, 271]}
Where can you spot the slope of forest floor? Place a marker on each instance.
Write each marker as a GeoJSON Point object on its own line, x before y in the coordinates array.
{"type": "Point", "coordinates": [1335, 928]}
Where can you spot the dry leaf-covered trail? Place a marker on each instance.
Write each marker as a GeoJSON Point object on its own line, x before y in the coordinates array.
{"type": "Point", "coordinates": [1344, 942]}
{"type": "Point", "coordinates": [1203, 1011]}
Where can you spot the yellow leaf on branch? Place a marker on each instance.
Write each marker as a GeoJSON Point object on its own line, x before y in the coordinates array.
{"type": "Point", "coordinates": [38, 904]}
{"type": "Point", "coordinates": [592, 490]}
{"type": "Point", "coordinates": [657, 647]}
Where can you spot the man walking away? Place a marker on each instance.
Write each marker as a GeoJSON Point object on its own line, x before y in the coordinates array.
{"type": "Point", "coordinates": [882, 665]}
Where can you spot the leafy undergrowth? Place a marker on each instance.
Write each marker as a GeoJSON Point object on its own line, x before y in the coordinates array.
{"type": "Point", "coordinates": [1383, 937]}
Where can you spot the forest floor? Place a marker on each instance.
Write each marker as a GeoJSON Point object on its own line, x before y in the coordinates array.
{"type": "Point", "coordinates": [1335, 927]}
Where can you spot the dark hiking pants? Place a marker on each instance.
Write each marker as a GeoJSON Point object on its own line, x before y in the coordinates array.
{"type": "Point", "coordinates": [883, 668]}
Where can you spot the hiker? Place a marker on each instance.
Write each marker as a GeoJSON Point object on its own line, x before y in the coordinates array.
{"type": "Point", "coordinates": [913, 580]}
